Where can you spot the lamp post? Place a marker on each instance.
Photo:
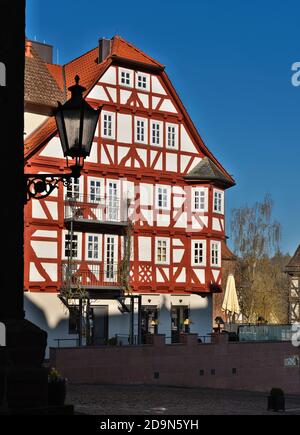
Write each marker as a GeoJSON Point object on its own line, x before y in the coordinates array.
{"type": "Point", "coordinates": [76, 122]}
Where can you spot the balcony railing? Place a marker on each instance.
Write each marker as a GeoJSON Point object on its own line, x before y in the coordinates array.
{"type": "Point", "coordinates": [94, 276]}
{"type": "Point", "coordinates": [94, 208]}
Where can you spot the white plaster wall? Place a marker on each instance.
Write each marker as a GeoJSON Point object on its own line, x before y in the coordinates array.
{"type": "Point", "coordinates": [157, 88]}
{"type": "Point", "coordinates": [110, 76]}
{"type": "Point", "coordinates": [186, 142]}
{"type": "Point", "coordinates": [53, 149]}
{"type": "Point", "coordinates": [124, 128]}
{"type": "Point", "coordinates": [46, 311]}
{"type": "Point", "coordinates": [32, 121]}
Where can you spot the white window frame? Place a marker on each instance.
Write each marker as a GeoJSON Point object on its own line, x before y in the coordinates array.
{"type": "Point", "coordinates": [98, 195]}
{"type": "Point", "coordinates": [157, 141]}
{"type": "Point", "coordinates": [200, 191]}
{"type": "Point", "coordinates": [213, 245]}
{"type": "Point", "coordinates": [104, 134]}
{"type": "Point", "coordinates": [167, 244]}
{"type": "Point", "coordinates": [76, 194]}
{"type": "Point", "coordinates": [166, 205]}
{"type": "Point", "coordinates": [79, 246]}
{"type": "Point", "coordinates": [128, 72]}
{"type": "Point", "coordinates": [107, 264]}
{"type": "Point", "coordinates": [144, 139]}
{"type": "Point", "coordinates": [144, 76]}
{"type": "Point", "coordinates": [176, 146]}
{"type": "Point", "coordinates": [195, 247]}
{"type": "Point", "coordinates": [113, 211]}
{"type": "Point", "coordinates": [88, 236]}
{"type": "Point", "coordinates": [221, 195]}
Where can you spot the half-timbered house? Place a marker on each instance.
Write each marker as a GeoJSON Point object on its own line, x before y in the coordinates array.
{"type": "Point", "coordinates": [293, 270]}
{"type": "Point", "coordinates": [151, 193]}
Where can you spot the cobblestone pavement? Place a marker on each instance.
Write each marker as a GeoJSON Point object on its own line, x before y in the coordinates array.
{"type": "Point", "coordinates": [147, 400]}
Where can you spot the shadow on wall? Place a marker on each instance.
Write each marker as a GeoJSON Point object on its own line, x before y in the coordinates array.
{"type": "Point", "coordinates": [47, 312]}
{"type": "Point", "coordinates": [60, 330]}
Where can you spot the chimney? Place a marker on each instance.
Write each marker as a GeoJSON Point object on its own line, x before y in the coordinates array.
{"type": "Point", "coordinates": [28, 46]}
{"type": "Point", "coordinates": [45, 51]}
{"type": "Point", "coordinates": [104, 49]}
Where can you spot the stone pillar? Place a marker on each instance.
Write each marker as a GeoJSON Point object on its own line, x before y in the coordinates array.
{"type": "Point", "coordinates": [21, 365]}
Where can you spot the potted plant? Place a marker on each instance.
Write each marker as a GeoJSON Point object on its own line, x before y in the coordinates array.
{"type": "Point", "coordinates": [276, 400]}
{"type": "Point", "coordinates": [57, 388]}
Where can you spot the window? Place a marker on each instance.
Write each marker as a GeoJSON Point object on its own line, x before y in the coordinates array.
{"type": "Point", "coordinates": [95, 191]}
{"type": "Point", "coordinates": [126, 77]}
{"type": "Point", "coordinates": [71, 251]}
{"type": "Point", "coordinates": [198, 253]}
{"type": "Point", "coordinates": [93, 247]}
{"type": "Point", "coordinates": [142, 81]}
{"type": "Point", "coordinates": [162, 251]}
{"type": "Point", "coordinates": [163, 198]}
{"type": "Point", "coordinates": [216, 254]}
{"type": "Point", "coordinates": [108, 125]}
{"type": "Point", "coordinates": [156, 133]}
{"type": "Point", "coordinates": [73, 189]}
{"type": "Point", "coordinates": [172, 136]}
{"type": "Point", "coordinates": [200, 200]}
{"type": "Point", "coordinates": [110, 257]}
{"type": "Point", "coordinates": [219, 201]}
{"type": "Point", "coordinates": [141, 134]}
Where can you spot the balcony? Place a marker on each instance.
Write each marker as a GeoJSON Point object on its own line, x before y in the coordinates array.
{"type": "Point", "coordinates": [89, 213]}
{"type": "Point", "coordinates": [98, 280]}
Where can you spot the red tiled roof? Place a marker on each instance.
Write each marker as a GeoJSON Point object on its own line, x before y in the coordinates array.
{"type": "Point", "coordinates": [126, 50]}
{"type": "Point", "coordinates": [57, 73]}
{"type": "Point", "coordinates": [227, 254]}
{"type": "Point", "coordinates": [40, 86]}
{"type": "Point", "coordinates": [89, 70]}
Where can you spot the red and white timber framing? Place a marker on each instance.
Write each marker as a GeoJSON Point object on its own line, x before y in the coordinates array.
{"type": "Point", "coordinates": [139, 168]}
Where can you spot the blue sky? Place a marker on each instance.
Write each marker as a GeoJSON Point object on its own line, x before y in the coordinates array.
{"type": "Point", "coordinates": [230, 62]}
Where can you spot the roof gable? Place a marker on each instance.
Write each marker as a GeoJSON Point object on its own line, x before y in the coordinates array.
{"type": "Point", "coordinates": [294, 265]}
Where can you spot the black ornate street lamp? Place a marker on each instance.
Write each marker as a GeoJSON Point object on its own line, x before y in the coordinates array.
{"type": "Point", "coordinates": [76, 122]}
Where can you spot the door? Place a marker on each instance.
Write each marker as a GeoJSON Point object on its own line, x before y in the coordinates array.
{"type": "Point", "coordinates": [111, 253]}
{"type": "Point", "coordinates": [100, 325]}
{"type": "Point", "coordinates": [149, 322]}
{"type": "Point", "coordinates": [179, 316]}
{"type": "Point", "coordinates": [113, 202]}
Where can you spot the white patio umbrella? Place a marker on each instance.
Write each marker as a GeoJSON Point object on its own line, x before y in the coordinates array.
{"type": "Point", "coordinates": [231, 304]}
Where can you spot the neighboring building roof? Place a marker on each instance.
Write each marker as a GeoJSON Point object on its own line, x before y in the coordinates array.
{"type": "Point", "coordinates": [227, 255]}
{"type": "Point", "coordinates": [207, 170]}
{"type": "Point", "coordinates": [57, 73]}
{"type": "Point", "coordinates": [40, 86]}
{"type": "Point", "coordinates": [293, 267]}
